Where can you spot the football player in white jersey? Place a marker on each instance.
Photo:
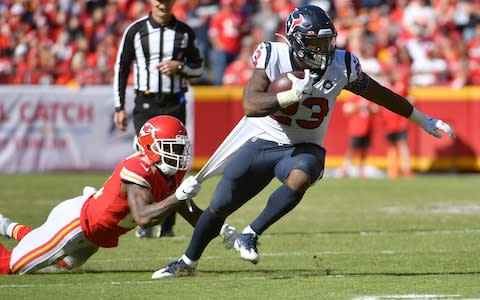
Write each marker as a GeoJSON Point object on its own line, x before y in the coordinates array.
{"type": "Point", "coordinates": [281, 134]}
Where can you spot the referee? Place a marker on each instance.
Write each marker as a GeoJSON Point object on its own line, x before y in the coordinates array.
{"type": "Point", "coordinates": [164, 53]}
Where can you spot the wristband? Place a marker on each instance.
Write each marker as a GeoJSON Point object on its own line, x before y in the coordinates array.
{"type": "Point", "coordinates": [286, 98]}
{"type": "Point", "coordinates": [417, 117]}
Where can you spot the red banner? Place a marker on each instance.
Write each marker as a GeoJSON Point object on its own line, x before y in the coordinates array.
{"type": "Point", "coordinates": [217, 110]}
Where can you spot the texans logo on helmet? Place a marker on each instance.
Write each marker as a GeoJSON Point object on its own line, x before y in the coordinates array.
{"type": "Point", "coordinates": [294, 22]}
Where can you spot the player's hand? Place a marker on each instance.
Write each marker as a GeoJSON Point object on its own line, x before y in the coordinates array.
{"type": "Point", "coordinates": [431, 125]}
{"type": "Point", "coordinates": [188, 189]}
{"type": "Point", "coordinates": [300, 89]}
{"type": "Point", "coordinates": [120, 119]}
{"type": "Point", "coordinates": [229, 235]}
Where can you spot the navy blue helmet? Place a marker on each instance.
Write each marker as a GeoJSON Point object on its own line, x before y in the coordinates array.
{"type": "Point", "coordinates": [312, 35]}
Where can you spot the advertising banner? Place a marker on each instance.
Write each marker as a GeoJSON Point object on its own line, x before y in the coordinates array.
{"type": "Point", "coordinates": [45, 128]}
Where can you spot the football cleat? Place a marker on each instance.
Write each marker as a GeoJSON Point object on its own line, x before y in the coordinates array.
{"type": "Point", "coordinates": [88, 191]}
{"type": "Point", "coordinates": [162, 232]}
{"type": "Point", "coordinates": [4, 222]}
{"type": "Point", "coordinates": [246, 244]}
{"type": "Point", "coordinates": [229, 235]}
{"type": "Point", "coordinates": [143, 233]}
{"type": "Point", "coordinates": [175, 269]}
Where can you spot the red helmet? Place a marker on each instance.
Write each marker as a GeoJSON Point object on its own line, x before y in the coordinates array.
{"type": "Point", "coordinates": [164, 141]}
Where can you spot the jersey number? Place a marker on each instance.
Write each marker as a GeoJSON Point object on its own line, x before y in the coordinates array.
{"type": "Point", "coordinates": [127, 222]}
{"type": "Point", "coordinates": [316, 117]}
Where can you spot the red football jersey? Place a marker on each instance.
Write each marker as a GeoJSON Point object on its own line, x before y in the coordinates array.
{"type": "Point", "coordinates": [106, 215]}
{"type": "Point", "coordinates": [225, 27]}
{"type": "Point", "coordinates": [360, 123]}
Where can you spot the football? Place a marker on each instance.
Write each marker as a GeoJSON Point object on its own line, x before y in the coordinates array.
{"type": "Point", "coordinates": [282, 83]}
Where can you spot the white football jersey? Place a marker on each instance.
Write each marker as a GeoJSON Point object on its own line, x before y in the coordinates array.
{"type": "Point", "coordinates": [307, 120]}
{"type": "Point", "coordinates": [299, 123]}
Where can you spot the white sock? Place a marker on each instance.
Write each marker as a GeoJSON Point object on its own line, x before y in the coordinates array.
{"type": "Point", "coordinates": [188, 261]}
{"type": "Point", "coordinates": [10, 229]}
{"type": "Point", "coordinates": [249, 229]}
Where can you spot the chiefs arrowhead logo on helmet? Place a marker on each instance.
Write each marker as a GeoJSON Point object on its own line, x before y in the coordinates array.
{"type": "Point", "coordinates": [146, 129]}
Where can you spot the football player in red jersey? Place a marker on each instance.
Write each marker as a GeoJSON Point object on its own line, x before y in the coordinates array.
{"type": "Point", "coordinates": [142, 190]}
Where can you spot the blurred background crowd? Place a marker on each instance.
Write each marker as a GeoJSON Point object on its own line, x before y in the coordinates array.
{"type": "Point", "coordinates": [74, 42]}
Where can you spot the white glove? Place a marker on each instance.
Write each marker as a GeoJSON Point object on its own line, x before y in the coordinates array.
{"type": "Point", "coordinates": [229, 235]}
{"type": "Point", "coordinates": [188, 189]}
{"type": "Point", "coordinates": [431, 125]}
{"type": "Point", "coordinates": [300, 88]}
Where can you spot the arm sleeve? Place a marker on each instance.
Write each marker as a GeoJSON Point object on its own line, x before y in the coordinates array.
{"type": "Point", "coordinates": [193, 60]}
{"type": "Point", "coordinates": [125, 57]}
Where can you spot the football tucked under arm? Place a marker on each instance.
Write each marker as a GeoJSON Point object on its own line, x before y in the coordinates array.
{"type": "Point", "coordinates": [282, 83]}
{"type": "Point", "coordinates": [291, 87]}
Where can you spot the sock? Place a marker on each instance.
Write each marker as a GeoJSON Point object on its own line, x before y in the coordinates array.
{"type": "Point", "coordinates": [64, 263]}
{"type": "Point", "coordinates": [207, 228]}
{"type": "Point", "coordinates": [17, 231]}
{"type": "Point", "coordinates": [188, 261]}
{"type": "Point", "coordinates": [249, 230]}
{"type": "Point", "coordinates": [5, 255]}
{"type": "Point", "coordinates": [282, 201]}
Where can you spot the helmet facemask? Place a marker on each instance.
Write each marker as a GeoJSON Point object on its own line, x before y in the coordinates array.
{"type": "Point", "coordinates": [174, 154]}
{"type": "Point", "coordinates": [315, 51]}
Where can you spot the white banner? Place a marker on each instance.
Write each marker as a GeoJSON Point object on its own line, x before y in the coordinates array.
{"type": "Point", "coordinates": [50, 128]}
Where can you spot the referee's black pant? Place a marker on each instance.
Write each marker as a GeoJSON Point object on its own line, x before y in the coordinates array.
{"type": "Point", "coordinates": [148, 106]}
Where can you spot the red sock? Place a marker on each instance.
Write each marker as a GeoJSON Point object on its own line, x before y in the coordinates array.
{"type": "Point", "coordinates": [5, 255]}
{"type": "Point", "coordinates": [19, 231]}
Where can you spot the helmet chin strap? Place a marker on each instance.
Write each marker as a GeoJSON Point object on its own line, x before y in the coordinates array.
{"type": "Point", "coordinates": [166, 169]}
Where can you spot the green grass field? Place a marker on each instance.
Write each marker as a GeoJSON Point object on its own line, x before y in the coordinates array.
{"type": "Point", "coordinates": [348, 239]}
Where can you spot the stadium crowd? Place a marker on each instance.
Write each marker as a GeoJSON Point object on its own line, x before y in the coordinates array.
{"type": "Point", "coordinates": [71, 42]}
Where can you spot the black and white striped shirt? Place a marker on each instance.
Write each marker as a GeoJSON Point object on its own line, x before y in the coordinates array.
{"type": "Point", "coordinates": [145, 43]}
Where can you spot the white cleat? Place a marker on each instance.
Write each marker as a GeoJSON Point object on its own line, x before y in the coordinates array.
{"type": "Point", "coordinates": [174, 269]}
{"type": "Point", "coordinates": [246, 244]}
{"type": "Point", "coordinates": [4, 223]}
{"type": "Point", "coordinates": [229, 235]}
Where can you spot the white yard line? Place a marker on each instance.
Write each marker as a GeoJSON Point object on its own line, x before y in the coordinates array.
{"type": "Point", "coordinates": [408, 296]}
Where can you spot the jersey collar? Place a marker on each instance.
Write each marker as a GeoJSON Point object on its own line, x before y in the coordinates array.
{"type": "Point", "coordinates": [155, 24]}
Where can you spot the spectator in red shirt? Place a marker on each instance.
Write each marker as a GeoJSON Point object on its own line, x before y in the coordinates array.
{"type": "Point", "coordinates": [473, 50]}
{"type": "Point", "coordinates": [398, 152]}
{"type": "Point", "coordinates": [226, 31]}
{"type": "Point", "coordinates": [360, 113]}
{"type": "Point", "coordinates": [239, 72]}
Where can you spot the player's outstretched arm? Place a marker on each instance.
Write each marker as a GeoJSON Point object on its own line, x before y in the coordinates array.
{"type": "Point", "coordinates": [145, 211]}
{"type": "Point", "coordinates": [370, 89]}
{"type": "Point", "coordinates": [431, 125]}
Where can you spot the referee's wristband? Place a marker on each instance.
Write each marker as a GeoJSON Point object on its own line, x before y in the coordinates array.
{"type": "Point", "coordinates": [119, 108]}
